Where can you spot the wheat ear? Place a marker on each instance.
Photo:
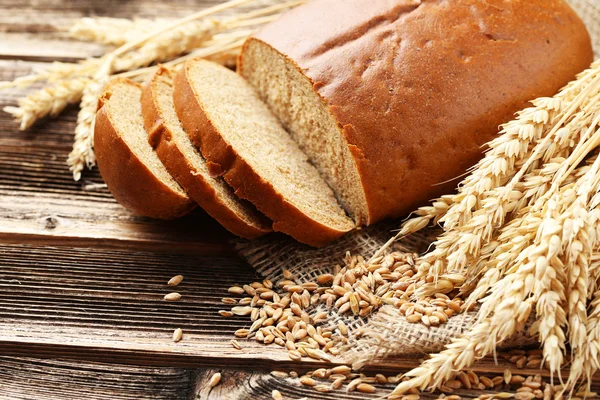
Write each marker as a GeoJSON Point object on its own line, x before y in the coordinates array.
{"type": "Point", "coordinates": [112, 31]}
{"type": "Point", "coordinates": [591, 362]}
{"type": "Point", "coordinates": [49, 101]}
{"type": "Point", "coordinates": [513, 238]}
{"type": "Point", "coordinates": [582, 239]}
{"type": "Point", "coordinates": [82, 154]}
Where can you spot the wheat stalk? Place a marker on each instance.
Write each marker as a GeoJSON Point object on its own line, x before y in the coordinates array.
{"type": "Point", "coordinates": [512, 240]}
{"type": "Point", "coordinates": [113, 31]}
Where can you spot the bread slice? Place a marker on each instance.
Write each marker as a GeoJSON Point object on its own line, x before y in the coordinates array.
{"type": "Point", "coordinates": [307, 117]}
{"type": "Point", "coordinates": [188, 167]}
{"type": "Point", "coordinates": [131, 169]}
{"type": "Point", "coordinates": [245, 143]}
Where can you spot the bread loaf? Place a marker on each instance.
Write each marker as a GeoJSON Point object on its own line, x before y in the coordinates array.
{"type": "Point", "coordinates": [130, 168]}
{"type": "Point", "coordinates": [390, 98]}
{"type": "Point", "coordinates": [188, 167]}
{"type": "Point", "coordinates": [245, 143]}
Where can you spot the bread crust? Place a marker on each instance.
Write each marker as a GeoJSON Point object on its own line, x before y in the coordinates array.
{"type": "Point", "coordinates": [248, 184]}
{"type": "Point", "coordinates": [418, 86]}
{"type": "Point", "coordinates": [129, 180]}
{"type": "Point", "coordinates": [198, 187]}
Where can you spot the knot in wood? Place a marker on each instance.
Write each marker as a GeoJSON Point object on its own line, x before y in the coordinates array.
{"type": "Point", "coordinates": [50, 223]}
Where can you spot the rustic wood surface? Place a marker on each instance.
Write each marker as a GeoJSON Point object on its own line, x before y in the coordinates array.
{"type": "Point", "coordinates": [82, 279]}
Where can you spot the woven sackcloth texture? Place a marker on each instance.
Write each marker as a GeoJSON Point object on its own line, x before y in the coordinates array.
{"type": "Point", "coordinates": [589, 10]}
{"type": "Point", "coordinates": [385, 332]}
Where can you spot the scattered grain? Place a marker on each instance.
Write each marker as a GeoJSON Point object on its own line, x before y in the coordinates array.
{"type": "Point", "coordinates": [215, 379]}
{"type": "Point", "coordinates": [172, 297]}
{"type": "Point", "coordinates": [177, 335]}
{"type": "Point", "coordinates": [236, 290]}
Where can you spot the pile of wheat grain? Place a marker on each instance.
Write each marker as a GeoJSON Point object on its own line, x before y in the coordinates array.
{"type": "Point", "coordinates": [142, 43]}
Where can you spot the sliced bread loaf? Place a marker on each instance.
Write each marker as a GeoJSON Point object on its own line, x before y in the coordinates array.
{"type": "Point", "coordinates": [392, 98]}
{"type": "Point", "coordinates": [130, 168]}
{"type": "Point", "coordinates": [188, 167]}
{"type": "Point", "coordinates": [246, 144]}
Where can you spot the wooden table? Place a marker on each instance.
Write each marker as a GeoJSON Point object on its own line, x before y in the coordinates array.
{"type": "Point", "coordinates": [82, 279]}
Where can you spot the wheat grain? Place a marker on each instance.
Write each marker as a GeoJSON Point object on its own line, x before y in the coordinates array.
{"type": "Point", "coordinates": [215, 379]}
{"type": "Point", "coordinates": [365, 388]}
{"type": "Point", "coordinates": [172, 297]}
{"type": "Point", "coordinates": [177, 335]}
{"type": "Point", "coordinates": [176, 280]}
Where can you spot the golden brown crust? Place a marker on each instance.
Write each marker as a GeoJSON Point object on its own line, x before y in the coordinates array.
{"type": "Point", "coordinates": [417, 86]}
{"type": "Point", "coordinates": [131, 183]}
{"type": "Point", "coordinates": [187, 174]}
{"type": "Point", "coordinates": [248, 184]}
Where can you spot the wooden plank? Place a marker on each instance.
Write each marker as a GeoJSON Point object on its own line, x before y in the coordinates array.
{"type": "Point", "coordinates": [39, 202]}
{"type": "Point", "coordinates": [30, 378]}
{"type": "Point", "coordinates": [32, 15]}
{"type": "Point", "coordinates": [102, 304]}
{"type": "Point", "coordinates": [46, 47]}
{"type": "Point", "coordinates": [95, 304]}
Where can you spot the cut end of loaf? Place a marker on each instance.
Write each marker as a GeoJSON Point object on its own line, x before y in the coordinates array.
{"type": "Point", "coordinates": [128, 164]}
{"type": "Point", "coordinates": [188, 167]}
{"type": "Point", "coordinates": [235, 130]}
{"type": "Point", "coordinates": [292, 98]}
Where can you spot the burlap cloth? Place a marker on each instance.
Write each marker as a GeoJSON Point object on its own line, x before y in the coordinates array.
{"type": "Point", "coordinates": [387, 332]}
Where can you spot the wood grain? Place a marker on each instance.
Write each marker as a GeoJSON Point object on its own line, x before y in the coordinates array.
{"type": "Point", "coordinates": [32, 378]}
{"type": "Point", "coordinates": [98, 304]}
